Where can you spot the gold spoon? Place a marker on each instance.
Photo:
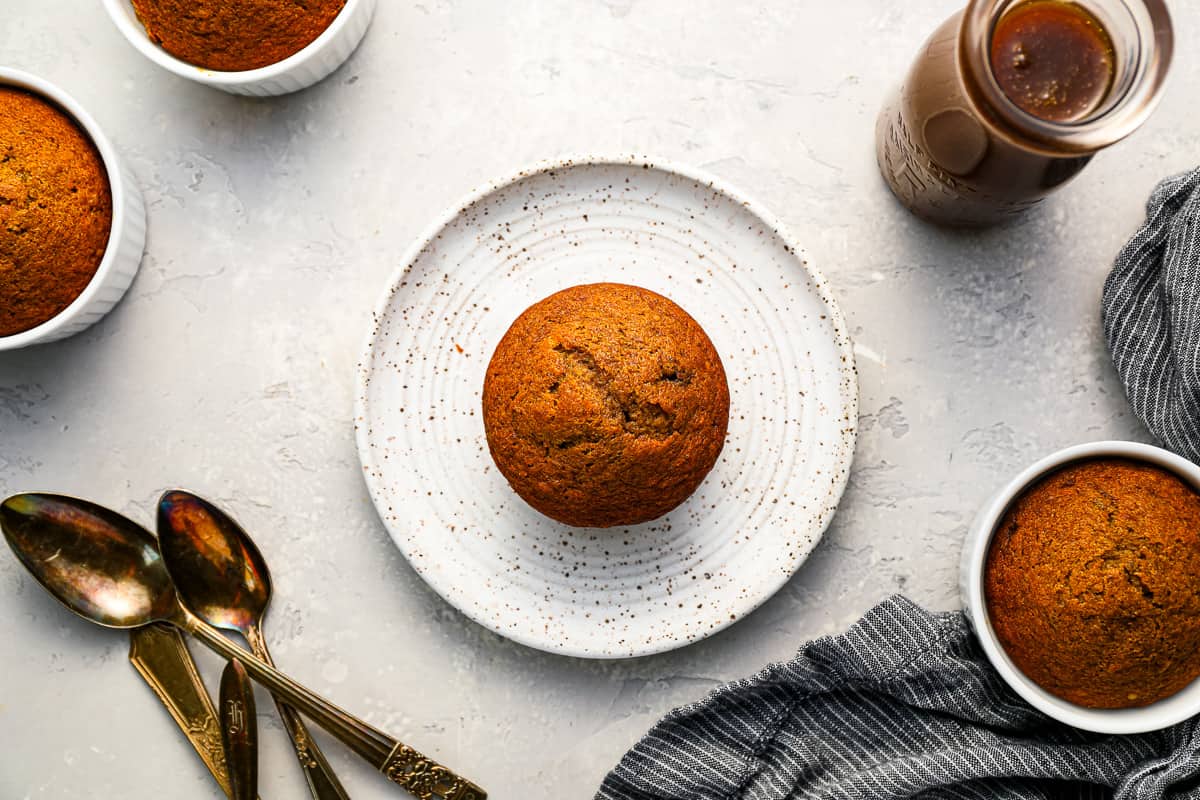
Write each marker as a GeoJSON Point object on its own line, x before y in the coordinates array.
{"type": "Point", "coordinates": [107, 569]}
{"type": "Point", "coordinates": [223, 579]}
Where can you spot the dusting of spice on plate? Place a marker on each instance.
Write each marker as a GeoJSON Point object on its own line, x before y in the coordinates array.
{"type": "Point", "coordinates": [1092, 583]}
{"type": "Point", "coordinates": [55, 210]}
{"type": "Point", "coordinates": [235, 35]}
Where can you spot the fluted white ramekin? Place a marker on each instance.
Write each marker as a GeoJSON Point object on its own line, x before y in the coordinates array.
{"type": "Point", "coordinates": [298, 71]}
{"type": "Point", "coordinates": [1176, 708]}
{"type": "Point", "coordinates": [126, 238]}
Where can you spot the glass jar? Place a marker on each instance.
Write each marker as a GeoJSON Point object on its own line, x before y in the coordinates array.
{"type": "Point", "coordinates": [957, 151]}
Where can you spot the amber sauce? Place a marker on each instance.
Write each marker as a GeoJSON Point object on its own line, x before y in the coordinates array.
{"type": "Point", "coordinates": [1053, 59]}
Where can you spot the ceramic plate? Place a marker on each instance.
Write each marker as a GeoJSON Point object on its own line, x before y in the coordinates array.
{"type": "Point", "coordinates": [622, 591]}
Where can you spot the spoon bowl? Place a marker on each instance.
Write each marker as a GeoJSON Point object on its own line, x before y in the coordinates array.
{"type": "Point", "coordinates": [213, 562]}
{"type": "Point", "coordinates": [102, 566]}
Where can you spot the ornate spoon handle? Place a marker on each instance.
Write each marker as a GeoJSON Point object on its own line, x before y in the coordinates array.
{"type": "Point", "coordinates": [423, 777]}
{"type": "Point", "coordinates": [162, 659]}
{"type": "Point", "coordinates": [322, 783]}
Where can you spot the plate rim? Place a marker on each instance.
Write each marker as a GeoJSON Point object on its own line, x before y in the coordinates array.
{"type": "Point", "coordinates": [843, 341]}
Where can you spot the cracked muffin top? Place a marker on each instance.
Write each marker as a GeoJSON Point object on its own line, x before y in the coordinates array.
{"type": "Point", "coordinates": [55, 210]}
{"type": "Point", "coordinates": [605, 405]}
{"type": "Point", "coordinates": [1093, 583]}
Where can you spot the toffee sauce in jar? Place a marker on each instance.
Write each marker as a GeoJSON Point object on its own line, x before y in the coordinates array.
{"type": "Point", "coordinates": [952, 154]}
{"type": "Point", "coordinates": [1053, 59]}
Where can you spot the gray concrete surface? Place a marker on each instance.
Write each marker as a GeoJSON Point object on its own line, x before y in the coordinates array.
{"type": "Point", "coordinates": [273, 226]}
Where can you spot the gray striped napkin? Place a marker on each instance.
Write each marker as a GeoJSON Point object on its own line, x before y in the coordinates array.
{"type": "Point", "coordinates": [903, 705]}
{"type": "Point", "coordinates": [1151, 311]}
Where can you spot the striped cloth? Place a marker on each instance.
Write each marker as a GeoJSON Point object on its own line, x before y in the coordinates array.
{"type": "Point", "coordinates": [1151, 310]}
{"type": "Point", "coordinates": [903, 705]}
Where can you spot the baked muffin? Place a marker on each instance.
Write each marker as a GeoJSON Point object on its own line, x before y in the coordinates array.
{"type": "Point", "coordinates": [605, 405]}
{"type": "Point", "coordinates": [1093, 583]}
{"type": "Point", "coordinates": [55, 210]}
{"type": "Point", "coordinates": [235, 35]}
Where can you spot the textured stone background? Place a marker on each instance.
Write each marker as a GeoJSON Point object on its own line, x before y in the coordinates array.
{"type": "Point", "coordinates": [273, 226]}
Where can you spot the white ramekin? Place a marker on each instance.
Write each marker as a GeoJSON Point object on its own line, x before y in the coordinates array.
{"type": "Point", "coordinates": [319, 58]}
{"type": "Point", "coordinates": [1177, 707]}
{"type": "Point", "coordinates": [126, 237]}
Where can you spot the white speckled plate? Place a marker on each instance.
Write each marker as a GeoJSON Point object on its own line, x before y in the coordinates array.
{"type": "Point", "coordinates": [623, 591]}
